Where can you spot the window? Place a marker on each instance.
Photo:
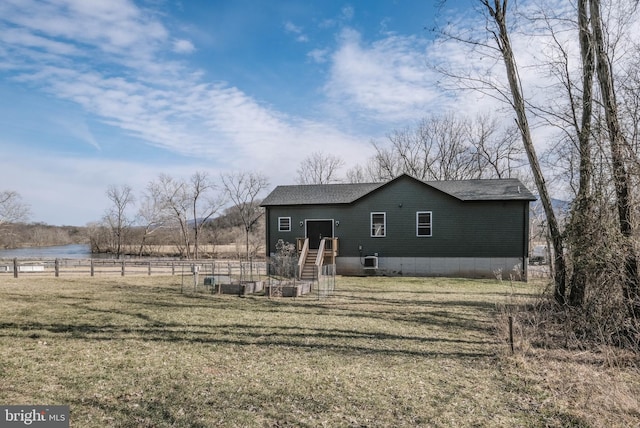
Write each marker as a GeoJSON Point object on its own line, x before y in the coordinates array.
{"type": "Point", "coordinates": [284, 224]}
{"type": "Point", "coordinates": [378, 224]}
{"type": "Point", "coordinates": [423, 223]}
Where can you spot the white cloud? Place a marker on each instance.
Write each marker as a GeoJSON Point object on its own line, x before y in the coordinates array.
{"type": "Point", "coordinates": [319, 56]}
{"type": "Point", "coordinates": [387, 78]}
{"type": "Point", "coordinates": [183, 46]}
{"type": "Point", "coordinates": [113, 26]}
{"type": "Point", "coordinates": [164, 103]}
{"type": "Point", "coordinates": [22, 37]}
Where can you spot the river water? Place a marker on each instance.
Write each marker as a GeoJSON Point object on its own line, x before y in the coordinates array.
{"type": "Point", "coordinates": [73, 251]}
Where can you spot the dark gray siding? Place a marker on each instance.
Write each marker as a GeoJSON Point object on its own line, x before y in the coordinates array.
{"type": "Point", "coordinates": [459, 229]}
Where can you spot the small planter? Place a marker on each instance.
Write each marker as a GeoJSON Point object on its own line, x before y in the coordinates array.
{"type": "Point", "coordinates": [240, 289]}
{"type": "Point", "coordinates": [288, 290]}
{"type": "Point", "coordinates": [251, 287]}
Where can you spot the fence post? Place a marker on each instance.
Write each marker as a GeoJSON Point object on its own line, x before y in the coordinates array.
{"type": "Point", "coordinates": [122, 273]}
{"type": "Point", "coordinates": [56, 265]}
{"type": "Point", "coordinates": [91, 266]}
{"type": "Point", "coordinates": [173, 268]}
{"type": "Point", "coordinates": [15, 267]}
{"type": "Point", "coordinates": [149, 268]}
{"type": "Point", "coordinates": [511, 333]}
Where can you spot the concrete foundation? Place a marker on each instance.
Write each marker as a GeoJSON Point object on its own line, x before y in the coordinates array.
{"type": "Point", "coordinates": [462, 267]}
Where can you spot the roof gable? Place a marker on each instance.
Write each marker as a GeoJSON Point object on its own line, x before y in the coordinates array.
{"type": "Point", "coordinates": [336, 194]}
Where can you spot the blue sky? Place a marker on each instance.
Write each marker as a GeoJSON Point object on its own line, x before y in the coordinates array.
{"type": "Point", "coordinates": [110, 92]}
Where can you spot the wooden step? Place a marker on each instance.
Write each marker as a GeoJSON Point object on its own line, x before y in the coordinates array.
{"type": "Point", "coordinates": [309, 267]}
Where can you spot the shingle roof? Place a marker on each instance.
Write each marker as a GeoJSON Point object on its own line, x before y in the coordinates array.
{"type": "Point", "coordinates": [319, 194]}
{"type": "Point", "coordinates": [506, 189]}
{"type": "Point", "coordinates": [332, 194]}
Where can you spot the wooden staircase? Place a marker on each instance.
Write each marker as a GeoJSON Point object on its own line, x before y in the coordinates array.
{"type": "Point", "coordinates": [309, 268]}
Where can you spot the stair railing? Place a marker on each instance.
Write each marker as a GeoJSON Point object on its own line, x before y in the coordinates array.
{"type": "Point", "coordinates": [303, 256]}
{"type": "Point", "coordinates": [320, 259]}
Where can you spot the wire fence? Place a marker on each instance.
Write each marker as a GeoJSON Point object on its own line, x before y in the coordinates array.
{"type": "Point", "coordinates": [214, 276]}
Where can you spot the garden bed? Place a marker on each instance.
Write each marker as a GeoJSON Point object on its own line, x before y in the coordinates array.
{"type": "Point", "coordinates": [288, 289]}
{"type": "Point", "coordinates": [241, 289]}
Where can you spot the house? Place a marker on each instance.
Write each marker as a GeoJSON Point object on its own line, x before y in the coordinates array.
{"type": "Point", "coordinates": [466, 228]}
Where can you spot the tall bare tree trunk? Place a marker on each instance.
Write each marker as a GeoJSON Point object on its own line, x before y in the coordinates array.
{"type": "Point", "coordinates": [498, 14]}
{"type": "Point", "coordinates": [621, 177]}
{"type": "Point", "coordinates": [582, 222]}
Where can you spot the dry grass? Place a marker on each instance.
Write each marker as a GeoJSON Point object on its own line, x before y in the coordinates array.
{"type": "Point", "coordinates": [135, 352]}
{"type": "Point", "coordinates": [590, 387]}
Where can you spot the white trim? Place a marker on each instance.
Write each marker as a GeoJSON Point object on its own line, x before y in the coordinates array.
{"type": "Point", "coordinates": [280, 224]}
{"type": "Point", "coordinates": [384, 225]}
{"type": "Point", "coordinates": [418, 224]}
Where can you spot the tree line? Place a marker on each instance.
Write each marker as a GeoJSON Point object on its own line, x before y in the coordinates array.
{"type": "Point", "coordinates": [183, 212]}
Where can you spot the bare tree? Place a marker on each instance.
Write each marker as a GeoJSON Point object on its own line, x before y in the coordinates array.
{"type": "Point", "coordinates": [116, 216]}
{"type": "Point", "coordinates": [357, 174]}
{"type": "Point", "coordinates": [174, 200]}
{"type": "Point", "coordinates": [498, 153]}
{"type": "Point", "coordinates": [319, 168]}
{"type": "Point", "coordinates": [618, 143]}
{"type": "Point", "coordinates": [204, 204]}
{"type": "Point", "coordinates": [373, 169]}
{"type": "Point", "coordinates": [582, 223]}
{"type": "Point", "coordinates": [99, 237]}
{"type": "Point", "coordinates": [152, 215]}
{"type": "Point", "coordinates": [496, 25]}
{"type": "Point", "coordinates": [449, 147]}
{"type": "Point", "coordinates": [243, 189]}
{"type": "Point", "coordinates": [12, 209]}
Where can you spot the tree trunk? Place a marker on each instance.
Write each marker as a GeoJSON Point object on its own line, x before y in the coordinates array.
{"type": "Point", "coordinates": [504, 44]}
{"type": "Point", "coordinates": [582, 222]}
{"type": "Point", "coordinates": [621, 178]}
{"type": "Point", "coordinates": [246, 234]}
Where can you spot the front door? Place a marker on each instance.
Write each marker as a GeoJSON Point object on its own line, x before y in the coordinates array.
{"type": "Point", "coordinates": [318, 229]}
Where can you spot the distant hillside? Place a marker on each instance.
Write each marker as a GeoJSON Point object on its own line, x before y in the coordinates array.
{"type": "Point", "coordinates": [20, 235]}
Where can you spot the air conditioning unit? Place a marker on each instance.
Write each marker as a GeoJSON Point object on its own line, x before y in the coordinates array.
{"type": "Point", "coordinates": [371, 262]}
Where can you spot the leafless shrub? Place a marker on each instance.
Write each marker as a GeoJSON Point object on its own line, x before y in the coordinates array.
{"type": "Point", "coordinates": [283, 263]}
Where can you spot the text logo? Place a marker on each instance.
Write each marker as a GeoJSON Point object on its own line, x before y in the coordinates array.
{"type": "Point", "coordinates": [34, 416]}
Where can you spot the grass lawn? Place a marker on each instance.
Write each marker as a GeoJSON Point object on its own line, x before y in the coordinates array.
{"type": "Point", "coordinates": [135, 352]}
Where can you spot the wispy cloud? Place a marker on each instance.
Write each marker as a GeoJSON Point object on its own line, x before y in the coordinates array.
{"type": "Point", "coordinates": [133, 87]}
{"type": "Point", "coordinates": [113, 26]}
{"type": "Point", "coordinates": [183, 46]}
{"type": "Point", "coordinates": [298, 32]}
{"type": "Point", "coordinates": [319, 56]}
{"type": "Point", "coordinates": [77, 128]}
{"type": "Point", "coordinates": [387, 78]}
